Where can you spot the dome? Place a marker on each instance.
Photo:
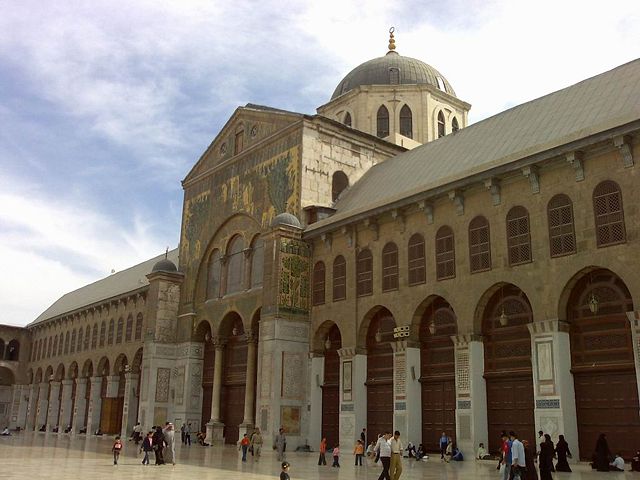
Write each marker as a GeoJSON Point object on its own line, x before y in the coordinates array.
{"type": "Point", "coordinates": [164, 265]}
{"type": "Point", "coordinates": [286, 219]}
{"type": "Point", "coordinates": [393, 69]}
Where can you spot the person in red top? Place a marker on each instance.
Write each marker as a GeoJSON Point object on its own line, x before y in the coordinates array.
{"type": "Point", "coordinates": [244, 445]}
{"type": "Point", "coordinates": [323, 450]}
{"type": "Point", "coordinates": [117, 447]}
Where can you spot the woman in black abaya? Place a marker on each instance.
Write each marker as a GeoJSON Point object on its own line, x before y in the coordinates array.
{"type": "Point", "coordinates": [562, 451]}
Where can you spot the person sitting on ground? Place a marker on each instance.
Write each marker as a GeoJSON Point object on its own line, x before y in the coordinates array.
{"type": "Point", "coordinates": [420, 453]}
{"type": "Point", "coordinates": [411, 450]}
{"type": "Point", "coordinates": [618, 464]}
{"type": "Point", "coordinates": [55, 429]}
{"type": "Point", "coordinates": [43, 428]}
{"type": "Point", "coordinates": [448, 452]}
{"type": "Point", "coordinates": [371, 449]}
{"type": "Point", "coordinates": [457, 455]}
{"type": "Point", "coordinates": [98, 432]}
{"type": "Point", "coordinates": [635, 462]}
{"type": "Point", "coordinates": [68, 429]}
{"type": "Point", "coordinates": [482, 453]}
{"type": "Point", "coordinates": [5, 432]}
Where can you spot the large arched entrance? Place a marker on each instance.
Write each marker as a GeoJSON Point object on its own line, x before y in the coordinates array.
{"type": "Point", "coordinates": [234, 377]}
{"type": "Point", "coordinates": [437, 366]}
{"type": "Point", "coordinates": [331, 386]}
{"type": "Point", "coordinates": [507, 364]}
{"type": "Point", "coordinates": [602, 363]}
{"type": "Point", "coordinates": [380, 373]}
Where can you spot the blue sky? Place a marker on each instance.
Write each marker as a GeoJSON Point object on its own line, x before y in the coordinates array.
{"type": "Point", "coordinates": [105, 106]}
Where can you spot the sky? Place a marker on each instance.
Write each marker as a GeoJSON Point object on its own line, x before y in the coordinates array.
{"type": "Point", "coordinates": [106, 105]}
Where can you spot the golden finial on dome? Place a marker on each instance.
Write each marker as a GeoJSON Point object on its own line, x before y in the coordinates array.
{"type": "Point", "coordinates": [392, 42]}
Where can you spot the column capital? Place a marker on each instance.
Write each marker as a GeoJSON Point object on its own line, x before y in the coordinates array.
{"type": "Point", "coordinates": [219, 342]}
{"type": "Point", "coordinates": [547, 326]}
{"type": "Point", "coordinates": [466, 338]}
{"type": "Point", "coordinates": [251, 337]}
{"type": "Point", "coordinates": [634, 319]}
{"type": "Point", "coordinates": [67, 382]}
{"type": "Point", "coordinates": [81, 381]}
{"type": "Point", "coordinates": [402, 345]}
{"type": "Point", "coordinates": [346, 353]}
{"type": "Point", "coordinates": [96, 380]}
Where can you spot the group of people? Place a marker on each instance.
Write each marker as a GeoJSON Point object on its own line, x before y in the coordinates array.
{"type": "Point", "coordinates": [160, 441]}
{"type": "Point", "coordinates": [603, 461]}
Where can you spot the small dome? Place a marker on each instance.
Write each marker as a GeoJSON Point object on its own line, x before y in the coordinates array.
{"type": "Point", "coordinates": [164, 265]}
{"type": "Point", "coordinates": [286, 219]}
{"type": "Point", "coordinates": [393, 69]}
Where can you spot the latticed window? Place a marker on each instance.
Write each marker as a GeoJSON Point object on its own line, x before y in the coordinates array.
{"type": "Point", "coordinates": [406, 122]}
{"type": "Point", "coordinates": [417, 261]}
{"type": "Point", "coordinates": [445, 254]}
{"type": "Point", "coordinates": [94, 337]}
{"type": "Point", "coordinates": [318, 283]}
{"type": "Point", "coordinates": [129, 331]}
{"type": "Point", "coordinates": [479, 245]}
{"type": "Point", "coordinates": [103, 333]}
{"type": "Point", "coordinates": [364, 273]}
{"type": "Point", "coordinates": [339, 278]}
{"type": "Point", "coordinates": [441, 129]}
{"type": "Point", "coordinates": [111, 330]}
{"type": "Point", "coordinates": [383, 122]}
{"type": "Point", "coordinates": [139, 327]}
{"type": "Point", "coordinates": [518, 236]}
{"type": "Point", "coordinates": [562, 238]}
{"type": "Point", "coordinates": [347, 119]}
{"type": "Point", "coordinates": [389, 267]}
{"type": "Point", "coordinates": [72, 347]}
{"type": "Point", "coordinates": [213, 275]}
{"type": "Point", "coordinates": [119, 330]}
{"type": "Point", "coordinates": [609, 214]}
{"type": "Point", "coordinates": [235, 265]}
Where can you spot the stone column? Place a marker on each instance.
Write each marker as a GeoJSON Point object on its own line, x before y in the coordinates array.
{"type": "Point", "coordinates": [23, 404]}
{"type": "Point", "coordinates": [248, 421]}
{"type": "Point", "coordinates": [246, 280]}
{"type": "Point", "coordinates": [79, 406]}
{"type": "Point", "coordinates": [32, 407]}
{"type": "Point", "coordinates": [65, 406]}
{"type": "Point", "coordinates": [215, 427]}
{"type": "Point", "coordinates": [54, 405]}
{"type": "Point", "coordinates": [130, 406]}
{"type": "Point", "coordinates": [315, 399]}
{"type": "Point", "coordinates": [95, 405]}
{"type": "Point", "coordinates": [471, 392]}
{"type": "Point", "coordinates": [43, 405]}
{"type": "Point", "coordinates": [353, 394]}
{"type": "Point", "coordinates": [553, 388]}
{"type": "Point", "coordinates": [407, 405]}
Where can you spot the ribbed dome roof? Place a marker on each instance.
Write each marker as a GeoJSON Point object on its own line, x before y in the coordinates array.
{"type": "Point", "coordinates": [286, 219]}
{"type": "Point", "coordinates": [164, 265]}
{"type": "Point", "coordinates": [393, 69]}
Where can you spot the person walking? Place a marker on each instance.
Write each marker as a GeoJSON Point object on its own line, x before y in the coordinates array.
{"type": "Point", "coordinates": [562, 452]}
{"type": "Point", "coordinates": [280, 444]}
{"type": "Point", "coordinates": [158, 445]}
{"type": "Point", "coordinates": [187, 434]}
{"type": "Point", "coordinates": [545, 460]}
{"type": "Point", "coordinates": [529, 455]}
{"type": "Point", "coordinates": [182, 433]}
{"type": "Point", "coordinates": [284, 474]}
{"type": "Point", "coordinates": [117, 447]}
{"type": "Point", "coordinates": [169, 440]}
{"type": "Point", "coordinates": [137, 433]}
{"type": "Point", "coordinates": [322, 459]}
{"type": "Point", "coordinates": [336, 456]}
{"type": "Point", "coordinates": [518, 459]}
{"type": "Point", "coordinates": [383, 448]}
{"type": "Point", "coordinates": [358, 451]}
{"type": "Point", "coordinates": [602, 454]}
{"type": "Point", "coordinates": [147, 446]}
{"type": "Point", "coordinates": [505, 462]}
{"type": "Point", "coordinates": [363, 436]}
{"type": "Point", "coordinates": [396, 456]}
{"type": "Point", "coordinates": [256, 444]}
{"type": "Point", "coordinates": [244, 446]}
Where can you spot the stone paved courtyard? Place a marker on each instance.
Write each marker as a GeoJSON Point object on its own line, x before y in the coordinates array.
{"type": "Point", "coordinates": [35, 455]}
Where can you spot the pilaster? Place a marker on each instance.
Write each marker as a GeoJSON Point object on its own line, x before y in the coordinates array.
{"type": "Point", "coordinates": [43, 405]}
{"type": "Point", "coordinates": [65, 406]}
{"type": "Point", "coordinates": [130, 404]}
{"type": "Point", "coordinates": [95, 405]}
{"type": "Point", "coordinates": [188, 385]}
{"type": "Point", "coordinates": [315, 398]}
{"type": "Point", "coordinates": [79, 406]}
{"type": "Point", "coordinates": [353, 394]}
{"type": "Point", "coordinates": [32, 407]}
{"type": "Point", "coordinates": [407, 400]}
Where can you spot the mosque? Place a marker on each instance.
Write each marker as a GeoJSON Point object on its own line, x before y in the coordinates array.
{"type": "Point", "coordinates": [380, 264]}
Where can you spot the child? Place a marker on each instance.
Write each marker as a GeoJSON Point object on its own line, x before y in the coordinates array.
{"type": "Point", "coordinates": [284, 474]}
{"type": "Point", "coordinates": [336, 456]}
{"type": "Point", "coordinates": [358, 451]}
{"type": "Point", "coordinates": [117, 446]}
{"type": "Point", "coordinates": [244, 445]}
{"type": "Point", "coordinates": [371, 450]}
{"type": "Point", "coordinates": [448, 453]}
{"type": "Point", "coordinates": [147, 446]}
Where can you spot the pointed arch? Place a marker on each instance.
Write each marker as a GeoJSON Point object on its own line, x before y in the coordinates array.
{"type": "Point", "coordinates": [406, 122]}
{"type": "Point", "coordinates": [382, 122]}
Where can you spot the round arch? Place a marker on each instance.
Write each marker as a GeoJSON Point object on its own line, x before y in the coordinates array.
{"type": "Point", "coordinates": [59, 376]}
{"type": "Point", "coordinates": [365, 323]}
{"type": "Point", "coordinates": [120, 364]}
{"type": "Point", "coordinates": [87, 369]}
{"type": "Point", "coordinates": [38, 377]}
{"type": "Point", "coordinates": [103, 367]}
{"type": "Point", "coordinates": [72, 372]}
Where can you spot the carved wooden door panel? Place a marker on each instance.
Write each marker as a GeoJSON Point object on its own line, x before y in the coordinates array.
{"type": "Point", "coordinates": [232, 401]}
{"type": "Point", "coordinates": [438, 412]}
{"type": "Point", "coordinates": [331, 389]}
{"type": "Point", "coordinates": [380, 374]}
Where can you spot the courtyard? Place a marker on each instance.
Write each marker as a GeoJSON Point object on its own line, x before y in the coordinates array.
{"type": "Point", "coordinates": [38, 455]}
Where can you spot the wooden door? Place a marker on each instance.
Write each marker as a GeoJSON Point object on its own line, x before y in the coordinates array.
{"type": "Point", "coordinates": [234, 378]}
{"type": "Point", "coordinates": [379, 408]}
{"type": "Point", "coordinates": [380, 374]}
{"type": "Point", "coordinates": [232, 402]}
{"type": "Point", "coordinates": [438, 412]}
{"type": "Point", "coordinates": [111, 415]}
{"type": "Point", "coordinates": [331, 414]}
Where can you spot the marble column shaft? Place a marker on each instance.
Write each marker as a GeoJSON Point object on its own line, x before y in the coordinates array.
{"type": "Point", "coordinates": [250, 385]}
{"type": "Point", "coordinates": [65, 406]}
{"type": "Point", "coordinates": [95, 405]}
{"type": "Point", "coordinates": [54, 405]}
{"type": "Point", "coordinates": [130, 407]}
{"type": "Point", "coordinates": [80, 405]}
{"type": "Point", "coordinates": [217, 384]}
{"type": "Point", "coordinates": [43, 405]}
{"type": "Point", "coordinates": [32, 407]}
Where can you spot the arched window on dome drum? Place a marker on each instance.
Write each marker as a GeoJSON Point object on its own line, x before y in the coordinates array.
{"type": "Point", "coordinates": [339, 278]}
{"type": "Point", "coordinates": [318, 283]}
{"type": "Point", "coordinates": [66, 343]}
{"type": "Point", "coordinates": [445, 254]}
{"type": "Point", "coordinates": [454, 125]}
{"type": "Point", "coordinates": [94, 337]}
{"type": "Point", "coordinates": [213, 276]}
{"type": "Point", "coordinates": [417, 260]}
{"type": "Point", "coordinates": [347, 119]}
{"type": "Point", "coordinates": [406, 122]}
{"type": "Point", "coordinates": [235, 265]}
{"type": "Point", "coordinates": [382, 122]}
{"type": "Point", "coordinates": [518, 236]}
{"type": "Point", "coordinates": [339, 184]}
{"type": "Point", "coordinates": [609, 214]}
{"type": "Point", "coordinates": [479, 245]}
{"type": "Point", "coordinates": [72, 347]}
{"type": "Point", "coordinates": [103, 333]}
{"type": "Point", "coordinates": [111, 332]}
{"type": "Point", "coordinates": [562, 238]}
{"type": "Point", "coordinates": [257, 263]}
{"type": "Point", "coordinates": [441, 127]}
{"type": "Point", "coordinates": [139, 327]}
{"type": "Point", "coordinates": [389, 267]}
{"type": "Point", "coordinates": [364, 273]}
{"type": "Point", "coordinates": [129, 330]}
{"type": "Point", "coordinates": [119, 330]}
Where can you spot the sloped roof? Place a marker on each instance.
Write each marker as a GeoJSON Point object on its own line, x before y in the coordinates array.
{"type": "Point", "coordinates": [112, 286]}
{"type": "Point", "coordinates": [595, 105]}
